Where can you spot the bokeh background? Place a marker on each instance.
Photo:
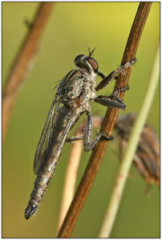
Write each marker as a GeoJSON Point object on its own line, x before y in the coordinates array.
{"type": "Point", "coordinates": [73, 27]}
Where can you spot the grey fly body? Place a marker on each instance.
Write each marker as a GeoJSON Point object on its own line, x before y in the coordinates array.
{"type": "Point", "coordinates": [72, 99]}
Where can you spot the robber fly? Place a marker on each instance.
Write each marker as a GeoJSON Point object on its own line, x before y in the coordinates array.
{"type": "Point", "coordinates": [72, 99]}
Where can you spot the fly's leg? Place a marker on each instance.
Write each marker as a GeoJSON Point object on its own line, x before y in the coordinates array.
{"type": "Point", "coordinates": [105, 80]}
{"type": "Point", "coordinates": [114, 94]}
{"type": "Point", "coordinates": [74, 138]}
{"type": "Point", "coordinates": [108, 100]}
{"type": "Point", "coordinates": [88, 142]}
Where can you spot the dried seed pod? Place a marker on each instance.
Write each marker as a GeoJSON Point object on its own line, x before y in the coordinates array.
{"type": "Point", "coordinates": [147, 155]}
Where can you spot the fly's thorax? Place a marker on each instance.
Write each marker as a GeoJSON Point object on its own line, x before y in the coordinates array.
{"type": "Point", "coordinates": [89, 92]}
{"type": "Point", "coordinates": [79, 87]}
{"type": "Point", "coordinates": [73, 91]}
{"type": "Point", "coordinates": [84, 106]}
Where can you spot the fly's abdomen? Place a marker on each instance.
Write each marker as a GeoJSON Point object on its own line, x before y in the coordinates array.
{"type": "Point", "coordinates": [40, 185]}
{"type": "Point", "coordinates": [46, 161]}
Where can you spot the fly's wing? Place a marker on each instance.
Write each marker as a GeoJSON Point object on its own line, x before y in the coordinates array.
{"type": "Point", "coordinates": [44, 144]}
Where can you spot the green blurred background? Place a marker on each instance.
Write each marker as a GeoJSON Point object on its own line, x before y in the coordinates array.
{"type": "Point", "coordinates": [71, 28]}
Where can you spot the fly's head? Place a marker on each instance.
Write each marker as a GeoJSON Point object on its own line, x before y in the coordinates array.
{"type": "Point", "coordinates": [86, 63]}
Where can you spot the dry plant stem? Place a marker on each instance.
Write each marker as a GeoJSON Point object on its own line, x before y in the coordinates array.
{"type": "Point", "coordinates": [129, 154]}
{"type": "Point", "coordinates": [108, 125]}
{"type": "Point", "coordinates": [72, 169]}
{"type": "Point", "coordinates": [23, 62]}
{"type": "Point", "coordinates": [70, 178]}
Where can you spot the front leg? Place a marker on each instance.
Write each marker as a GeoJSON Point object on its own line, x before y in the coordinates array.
{"type": "Point", "coordinates": [109, 102]}
{"type": "Point", "coordinates": [105, 80]}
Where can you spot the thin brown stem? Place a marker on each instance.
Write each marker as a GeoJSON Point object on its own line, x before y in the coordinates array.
{"type": "Point", "coordinates": [108, 125]}
{"type": "Point", "coordinates": [23, 61]}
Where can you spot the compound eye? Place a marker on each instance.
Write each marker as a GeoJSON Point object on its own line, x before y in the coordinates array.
{"type": "Point", "coordinates": [78, 59]}
{"type": "Point", "coordinates": [93, 63]}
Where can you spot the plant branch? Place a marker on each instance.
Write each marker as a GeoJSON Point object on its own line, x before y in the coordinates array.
{"type": "Point", "coordinates": [108, 125]}
{"type": "Point", "coordinates": [23, 62]}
